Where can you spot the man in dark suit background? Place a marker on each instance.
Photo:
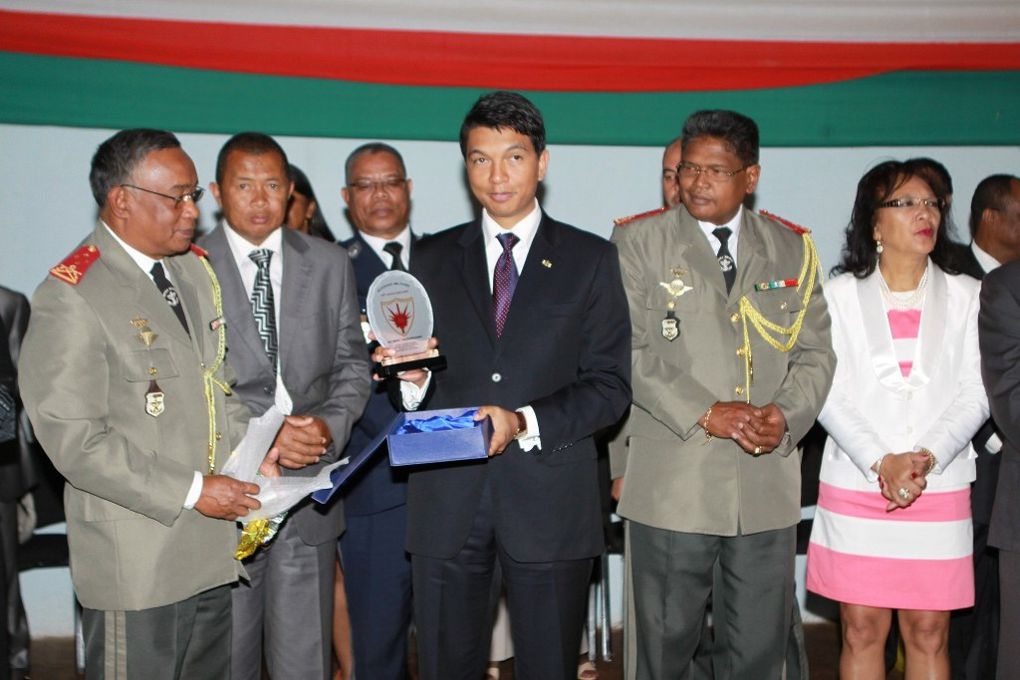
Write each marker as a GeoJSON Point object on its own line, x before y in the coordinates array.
{"type": "Point", "coordinates": [532, 317]}
{"type": "Point", "coordinates": [995, 233]}
{"type": "Point", "coordinates": [377, 571]}
{"type": "Point", "coordinates": [294, 339]}
{"type": "Point", "coordinates": [15, 472]}
{"type": "Point", "coordinates": [999, 333]}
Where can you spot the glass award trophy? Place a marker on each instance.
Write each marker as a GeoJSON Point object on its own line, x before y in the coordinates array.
{"type": "Point", "coordinates": [400, 314]}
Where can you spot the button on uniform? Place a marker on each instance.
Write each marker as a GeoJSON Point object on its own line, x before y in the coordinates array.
{"type": "Point", "coordinates": [496, 377]}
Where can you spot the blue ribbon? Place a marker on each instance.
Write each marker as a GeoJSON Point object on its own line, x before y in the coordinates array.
{"type": "Point", "coordinates": [439, 423]}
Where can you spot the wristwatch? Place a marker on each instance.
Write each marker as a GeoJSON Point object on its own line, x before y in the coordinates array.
{"type": "Point", "coordinates": [522, 425]}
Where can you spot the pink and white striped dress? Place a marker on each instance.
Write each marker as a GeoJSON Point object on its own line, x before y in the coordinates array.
{"type": "Point", "coordinates": [913, 558]}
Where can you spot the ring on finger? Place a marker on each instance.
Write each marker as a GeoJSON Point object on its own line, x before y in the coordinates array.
{"type": "Point", "coordinates": [903, 493]}
{"type": "Point", "coordinates": [757, 450]}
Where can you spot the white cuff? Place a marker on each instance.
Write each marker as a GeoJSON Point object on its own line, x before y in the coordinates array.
{"type": "Point", "coordinates": [195, 492]}
{"type": "Point", "coordinates": [533, 439]}
{"type": "Point", "coordinates": [994, 444]}
{"type": "Point", "coordinates": [411, 395]}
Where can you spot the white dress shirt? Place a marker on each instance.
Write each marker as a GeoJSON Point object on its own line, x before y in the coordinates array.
{"type": "Point", "coordinates": [524, 230]}
{"type": "Point", "coordinates": [731, 243]}
{"type": "Point", "coordinates": [377, 244]}
{"type": "Point", "coordinates": [987, 262]}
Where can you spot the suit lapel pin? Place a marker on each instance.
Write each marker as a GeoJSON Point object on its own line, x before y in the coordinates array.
{"type": "Point", "coordinates": [547, 264]}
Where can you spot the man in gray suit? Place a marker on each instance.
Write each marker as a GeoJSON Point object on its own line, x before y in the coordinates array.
{"type": "Point", "coordinates": [123, 376]}
{"type": "Point", "coordinates": [294, 338]}
{"type": "Point", "coordinates": [732, 360]}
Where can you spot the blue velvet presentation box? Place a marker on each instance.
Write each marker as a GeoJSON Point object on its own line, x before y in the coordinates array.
{"type": "Point", "coordinates": [419, 448]}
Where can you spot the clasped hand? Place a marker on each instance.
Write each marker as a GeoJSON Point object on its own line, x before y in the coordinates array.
{"type": "Point", "coordinates": [755, 429]}
{"type": "Point", "coordinates": [902, 472]}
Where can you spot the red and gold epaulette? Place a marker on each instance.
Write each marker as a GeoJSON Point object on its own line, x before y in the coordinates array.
{"type": "Point", "coordinates": [74, 266]}
{"type": "Point", "coordinates": [623, 221]}
{"type": "Point", "coordinates": [198, 250]}
{"type": "Point", "coordinates": [795, 228]}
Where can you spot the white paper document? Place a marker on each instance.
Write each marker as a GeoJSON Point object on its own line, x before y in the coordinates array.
{"type": "Point", "coordinates": [277, 494]}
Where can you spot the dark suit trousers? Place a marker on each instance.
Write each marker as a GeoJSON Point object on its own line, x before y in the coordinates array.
{"type": "Point", "coordinates": [1008, 666]}
{"type": "Point", "coordinates": [974, 632]}
{"type": "Point", "coordinates": [377, 577]}
{"type": "Point", "coordinates": [187, 640]}
{"type": "Point", "coordinates": [672, 578]}
{"type": "Point", "coordinates": [454, 605]}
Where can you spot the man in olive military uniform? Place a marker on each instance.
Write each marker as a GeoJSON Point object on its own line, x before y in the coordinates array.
{"type": "Point", "coordinates": [732, 360]}
{"type": "Point", "coordinates": [123, 377]}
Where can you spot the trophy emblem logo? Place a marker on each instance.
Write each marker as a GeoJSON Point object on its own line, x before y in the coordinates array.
{"type": "Point", "coordinates": [399, 314]}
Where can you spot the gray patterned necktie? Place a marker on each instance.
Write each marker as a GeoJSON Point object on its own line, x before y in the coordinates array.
{"type": "Point", "coordinates": [263, 307]}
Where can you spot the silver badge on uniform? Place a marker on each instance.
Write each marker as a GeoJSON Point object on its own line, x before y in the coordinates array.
{"type": "Point", "coordinates": [154, 400]}
{"type": "Point", "coordinates": [670, 326]}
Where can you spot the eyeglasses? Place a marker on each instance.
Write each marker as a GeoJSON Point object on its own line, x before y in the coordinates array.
{"type": "Point", "coordinates": [366, 186]}
{"type": "Point", "coordinates": [910, 202]}
{"type": "Point", "coordinates": [713, 173]}
{"type": "Point", "coordinates": [194, 195]}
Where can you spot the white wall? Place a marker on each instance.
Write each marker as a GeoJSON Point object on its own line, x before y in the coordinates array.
{"type": "Point", "coordinates": [46, 209]}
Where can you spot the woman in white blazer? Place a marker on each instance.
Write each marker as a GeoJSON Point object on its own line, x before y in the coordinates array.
{"type": "Point", "coordinates": [893, 528]}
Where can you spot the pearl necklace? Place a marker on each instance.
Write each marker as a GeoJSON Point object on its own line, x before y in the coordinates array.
{"type": "Point", "coordinates": [907, 299]}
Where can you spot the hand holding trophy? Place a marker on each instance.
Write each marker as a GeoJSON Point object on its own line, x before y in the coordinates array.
{"type": "Point", "coordinates": [400, 314]}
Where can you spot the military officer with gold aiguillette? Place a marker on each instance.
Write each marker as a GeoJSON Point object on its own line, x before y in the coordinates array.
{"type": "Point", "coordinates": [732, 360]}
{"type": "Point", "coordinates": [123, 375]}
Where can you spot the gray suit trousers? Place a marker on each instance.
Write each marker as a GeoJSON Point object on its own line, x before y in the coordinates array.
{"type": "Point", "coordinates": [672, 579]}
{"type": "Point", "coordinates": [281, 601]}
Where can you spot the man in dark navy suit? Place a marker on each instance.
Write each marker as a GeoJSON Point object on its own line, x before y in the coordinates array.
{"type": "Point", "coordinates": [973, 632]}
{"type": "Point", "coordinates": [377, 570]}
{"type": "Point", "coordinates": [531, 314]}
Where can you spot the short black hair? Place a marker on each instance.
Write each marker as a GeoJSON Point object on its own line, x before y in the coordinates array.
{"type": "Point", "coordinates": [860, 252]}
{"type": "Point", "coordinates": [116, 158]}
{"type": "Point", "coordinates": [992, 192]}
{"type": "Point", "coordinates": [371, 147]}
{"type": "Point", "coordinates": [505, 110]}
{"type": "Point", "coordinates": [738, 131]}
{"type": "Point", "coordinates": [256, 143]}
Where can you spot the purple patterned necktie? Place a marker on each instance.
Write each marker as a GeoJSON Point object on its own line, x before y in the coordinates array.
{"type": "Point", "coordinates": [504, 281]}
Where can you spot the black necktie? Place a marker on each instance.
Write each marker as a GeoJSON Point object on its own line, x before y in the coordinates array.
{"type": "Point", "coordinates": [394, 249]}
{"type": "Point", "coordinates": [726, 263]}
{"type": "Point", "coordinates": [263, 306]}
{"type": "Point", "coordinates": [169, 293]}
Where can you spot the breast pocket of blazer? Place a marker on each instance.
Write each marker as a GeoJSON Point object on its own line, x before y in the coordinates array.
{"type": "Point", "coordinates": [778, 304]}
{"type": "Point", "coordinates": [150, 364]}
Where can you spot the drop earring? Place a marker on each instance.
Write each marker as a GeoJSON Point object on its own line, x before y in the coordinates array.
{"type": "Point", "coordinates": [878, 246]}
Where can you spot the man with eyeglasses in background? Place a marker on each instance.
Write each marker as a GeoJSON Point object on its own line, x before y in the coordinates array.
{"type": "Point", "coordinates": [295, 341]}
{"type": "Point", "coordinates": [123, 377]}
{"type": "Point", "coordinates": [377, 570]}
{"type": "Point", "coordinates": [732, 360]}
